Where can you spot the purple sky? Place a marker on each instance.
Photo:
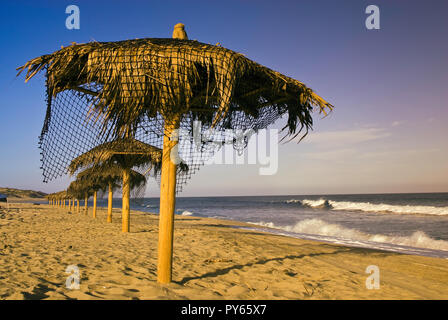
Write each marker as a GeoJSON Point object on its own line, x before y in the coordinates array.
{"type": "Point", "coordinates": [388, 132]}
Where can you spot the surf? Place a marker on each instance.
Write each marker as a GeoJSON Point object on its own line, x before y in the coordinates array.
{"type": "Point", "coordinates": [335, 232]}
{"type": "Point", "coordinates": [370, 207]}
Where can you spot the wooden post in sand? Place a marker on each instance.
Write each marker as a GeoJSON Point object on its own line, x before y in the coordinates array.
{"type": "Point", "coordinates": [167, 205]}
{"type": "Point", "coordinates": [109, 204]}
{"type": "Point", "coordinates": [94, 204]}
{"type": "Point", "coordinates": [85, 204]}
{"type": "Point", "coordinates": [168, 186]}
{"type": "Point", "coordinates": [125, 214]}
{"type": "Point", "coordinates": [77, 205]}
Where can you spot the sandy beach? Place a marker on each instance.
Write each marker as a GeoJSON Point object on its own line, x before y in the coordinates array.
{"type": "Point", "coordinates": [212, 260]}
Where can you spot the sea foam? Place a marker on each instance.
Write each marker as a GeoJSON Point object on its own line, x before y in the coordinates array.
{"type": "Point", "coordinates": [371, 207]}
{"type": "Point", "coordinates": [319, 227]}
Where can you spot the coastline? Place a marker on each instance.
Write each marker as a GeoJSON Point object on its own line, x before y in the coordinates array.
{"type": "Point", "coordinates": [212, 260]}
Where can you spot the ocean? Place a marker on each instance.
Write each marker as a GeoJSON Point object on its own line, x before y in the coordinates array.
{"type": "Point", "coordinates": [406, 223]}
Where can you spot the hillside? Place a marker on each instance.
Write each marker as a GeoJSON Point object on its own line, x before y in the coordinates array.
{"type": "Point", "coordinates": [18, 193]}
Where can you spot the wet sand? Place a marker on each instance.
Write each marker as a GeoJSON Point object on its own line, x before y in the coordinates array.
{"type": "Point", "coordinates": [212, 260]}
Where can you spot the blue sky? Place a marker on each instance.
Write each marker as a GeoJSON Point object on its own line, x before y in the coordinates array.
{"type": "Point", "coordinates": [388, 130]}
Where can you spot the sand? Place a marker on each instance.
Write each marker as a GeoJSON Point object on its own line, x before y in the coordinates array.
{"type": "Point", "coordinates": [212, 260]}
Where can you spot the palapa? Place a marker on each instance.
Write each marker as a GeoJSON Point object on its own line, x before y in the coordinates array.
{"type": "Point", "coordinates": [116, 158]}
{"type": "Point", "coordinates": [108, 176]}
{"type": "Point", "coordinates": [150, 88]}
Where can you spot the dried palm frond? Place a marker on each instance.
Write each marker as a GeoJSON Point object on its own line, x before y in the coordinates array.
{"type": "Point", "coordinates": [124, 153]}
{"type": "Point", "coordinates": [146, 77]}
{"type": "Point", "coordinates": [80, 189]}
{"type": "Point", "coordinates": [101, 177]}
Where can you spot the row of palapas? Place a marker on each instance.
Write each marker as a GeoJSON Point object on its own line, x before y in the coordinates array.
{"type": "Point", "coordinates": [104, 169]}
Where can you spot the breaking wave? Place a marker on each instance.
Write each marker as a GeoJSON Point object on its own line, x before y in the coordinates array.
{"type": "Point", "coordinates": [319, 227]}
{"type": "Point", "coordinates": [293, 201]}
{"type": "Point", "coordinates": [187, 213]}
{"type": "Point", "coordinates": [371, 207]}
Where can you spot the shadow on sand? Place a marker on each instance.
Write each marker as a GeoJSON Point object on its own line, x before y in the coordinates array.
{"type": "Point", "coordinates": [223, 271]}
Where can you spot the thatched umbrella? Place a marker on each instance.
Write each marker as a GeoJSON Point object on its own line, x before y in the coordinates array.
{"type": "Point", "coordinates": [80, 190]}
{"type": "Point", "coordinates": [76, 190]}
{"type": "Point", "coordinates": [49, 197]}
{"type": "Point", "coordinates": [92, 176]}
{"type": "Point", "coordinates": [89, 185]}
{"type": "Point", "coordinates": [60, 197]}
{"type": "Point", "coordinates": [117, 157]}
{"type": "Point", "coordinates": [108, 176]}
{"type": "Point", "coordinates": [169, 83]}
{"type": "Point", "coordinates": [53, 197]}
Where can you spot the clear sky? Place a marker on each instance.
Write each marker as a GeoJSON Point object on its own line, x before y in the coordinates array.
{"type": "Point", "coordinates": [388, 132]}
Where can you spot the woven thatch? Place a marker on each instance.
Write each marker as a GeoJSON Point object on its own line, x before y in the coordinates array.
{"type": "Point", "coordinates": [100, 178]}
{"type": "Point", "coordinates": [80, 189]}
{"type": "Point", "coordinates": [172, 76]}
{"type": "Point", "coordinates": [124, 153]}
{"type": "Point", "coordinates": [60, 195]}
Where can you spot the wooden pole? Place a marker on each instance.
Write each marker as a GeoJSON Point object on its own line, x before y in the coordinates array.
{"type": "Point", "coordinates": [85, 204]}
{"type": "Point", "coordinates": [109, 204]}
{"type": "Point", "coordinates": [167, 205]}
{"type": "Point", "coordinates": [125, 214]}
{"type": "Point", "coordinates": [94, 204]}
{"type": "Point", "coordinates": [77, 205]}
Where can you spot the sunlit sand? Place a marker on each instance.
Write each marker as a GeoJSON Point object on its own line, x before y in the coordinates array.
{"type": "Point", "coordinates": [212, 260]}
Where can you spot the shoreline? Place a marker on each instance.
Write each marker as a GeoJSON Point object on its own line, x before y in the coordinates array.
{"type": "Point", "coordinates": [212, 260]}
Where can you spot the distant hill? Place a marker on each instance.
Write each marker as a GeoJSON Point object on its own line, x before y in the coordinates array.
{"type": "Point", "coordinates": [17, 193]}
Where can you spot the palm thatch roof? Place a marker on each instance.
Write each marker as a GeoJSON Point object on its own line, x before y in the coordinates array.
{"type": "Point", "coordinates": [80, 189]}
{"type": "Point", "coordinates": [60, 195]}
{"type": "Point", "coordinates": [100, 178]}
{"type": "Point", "coordinates": [127, 152]}
{"type": "Point", "coordinates": [153, 76]}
